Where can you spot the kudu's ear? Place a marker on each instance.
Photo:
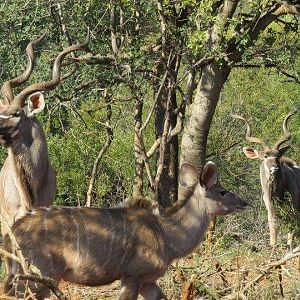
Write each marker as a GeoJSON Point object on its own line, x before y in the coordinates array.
{"type": "Point", "coordinates": [35, 103]}
{"type": "Point", "coordinates": [283, 149]}
{"type": "Point", "coordinates": [251, 153]}
{"type": "Point", "coordinates": [209, 175]}
{"type": "Point", "coordinates": [188, 175]}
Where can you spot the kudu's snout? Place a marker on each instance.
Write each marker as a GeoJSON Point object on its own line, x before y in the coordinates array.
{"type": "Point", "coordinates": [244, 204]}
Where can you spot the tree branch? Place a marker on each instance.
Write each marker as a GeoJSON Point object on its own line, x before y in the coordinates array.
{"type": "Point", "coordinates": [45, 281]}
{"type": "Point", "coordinates": [265, 272]}
{"type": "Point", "coordinates": [258, 24]}
{"type": "Point", "coordinates": [157, 95]}
{"type": "Point", "coordinates": [110, 136]}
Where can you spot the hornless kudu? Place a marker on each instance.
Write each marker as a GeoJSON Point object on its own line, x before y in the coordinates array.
{"type": "Point", "coordinates": [27, 179]}
{"type": "Point", "coordinates": [277, 173]}
{"type": "Point", "coordinates": [93, 246]}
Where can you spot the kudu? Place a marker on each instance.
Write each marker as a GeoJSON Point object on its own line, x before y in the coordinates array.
{"type": "Point", "coordinates": [27, 179]}
{"type": "Point", "coordinates": [277, 173]}
{"type": "Point", "coordinates": [93, 246]}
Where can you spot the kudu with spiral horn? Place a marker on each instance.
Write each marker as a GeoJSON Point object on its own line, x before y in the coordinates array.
{"type": "Point", "coordinates": [278, 174]}
{"type": "Point", "coordinates": [27, 179]}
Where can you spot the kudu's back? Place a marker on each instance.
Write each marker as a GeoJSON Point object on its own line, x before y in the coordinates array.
{"type": "Point", "coordinates": [92, 246]}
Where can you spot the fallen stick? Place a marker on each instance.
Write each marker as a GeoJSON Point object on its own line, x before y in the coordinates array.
{"type": "Point", "coordinates": [264, 272]}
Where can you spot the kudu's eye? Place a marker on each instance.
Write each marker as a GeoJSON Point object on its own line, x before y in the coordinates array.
{"type": "Point", "coordinates": [223, 192]}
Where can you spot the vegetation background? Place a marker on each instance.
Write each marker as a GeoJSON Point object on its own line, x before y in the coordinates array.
{"type": "Point", "coordinates": [152, 56]}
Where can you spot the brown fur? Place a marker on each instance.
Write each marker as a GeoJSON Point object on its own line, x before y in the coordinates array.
{"type": "Point", "coordinates": [27, 179]}
{"type": "Point", "coordinates": [139, 202]}
{"type": "Point", "coordinates": [97, 246]}
{"type": "Point", "coordinates": [25, 176]}
{"type": "Point", "coordinates": [278, 174]}
{"type": "Point", "coordinates": [144, 203]}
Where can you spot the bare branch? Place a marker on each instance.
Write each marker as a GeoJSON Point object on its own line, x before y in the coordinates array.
{"type": "Point", "coordinates": [164, 140]}
{"type": "Point", "coordinates": [224, 150]}
{"type": "Point", "coordinates": [258, 24]}
{"type": "Point", "coordinates": [138, 149]}
{"type": "Point", "coordinates": [110, 136]}
{"type": "Point", "coordinates": [15, 245]}
{"type": "Point", "coordinates": [91, 59]}
{"type": "Point", "coordinates": [154, 147]}
{"type": "Point", "coordinates": [268, 269]}
{"type": "Point", "coordinates": [225, 13]}
{"type": "Point", "coordinates": [157, 95]}
{"type": "Point", "coordinates": [265, 272]}
{"type": "Point", "coordinates": [113, 30]}
{"type": "Point", "coordinates": [175, 131]}
{"type": "Point", "coordinates": [63, 25]}
{"type": "Point", "coordinates": [45, 281]}
{"type": "Point", "coordinates": [295, 78]}
{"type": "Point", "coordinates": [5, 253]}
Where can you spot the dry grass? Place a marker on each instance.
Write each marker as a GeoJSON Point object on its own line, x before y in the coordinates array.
{"type": "Point", "coordinates": [214, 274]}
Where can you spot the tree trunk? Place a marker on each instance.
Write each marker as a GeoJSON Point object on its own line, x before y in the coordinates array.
{"type": "Point", "coordinates": [199, 114]}
{"type": "Point", "coordinates": [113, 31]}
{"type": "Point", "coordinates": [166, 193]}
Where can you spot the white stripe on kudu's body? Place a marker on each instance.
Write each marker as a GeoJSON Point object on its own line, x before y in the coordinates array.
{"type": "Point", "coordinates": [97, 246]}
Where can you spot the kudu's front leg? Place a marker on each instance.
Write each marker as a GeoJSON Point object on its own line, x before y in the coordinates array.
{"type": "Point", "coordinates": [151, 291]}
{"type": "Point", "coordinates": [129, 289]}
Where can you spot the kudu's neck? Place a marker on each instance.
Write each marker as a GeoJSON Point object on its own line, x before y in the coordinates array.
{"type": "Point", "coordinates": [272, 185]}
{"type": "Point", "coordinates": [28, 152]}
{"type": "Point", "coordinates": [186, 228]}
{"type": "Point", "coordinates": [29, 140]}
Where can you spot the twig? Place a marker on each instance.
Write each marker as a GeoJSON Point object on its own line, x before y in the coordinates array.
{"type": "Point", "coordinates": [188, 288]}
{"type": "Point", "coordinates": [24, 264]}
{"type": "Point", "coordinates": [162, 84]}
{"type": "Point", "coordinates": [10, 255]}
{"type": "Point", "coordinates": [222, 275]}
{"type": "Point", "coordinates": [224, 150]}
{"type": "Point", "coordinates": [110, 136]}
{"type": "Point", "coordinates": [50, 283]}
{"type": "Point", "coordinates": [266, 271]}
{"type": "Point", "coordinates": [199, 64]}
